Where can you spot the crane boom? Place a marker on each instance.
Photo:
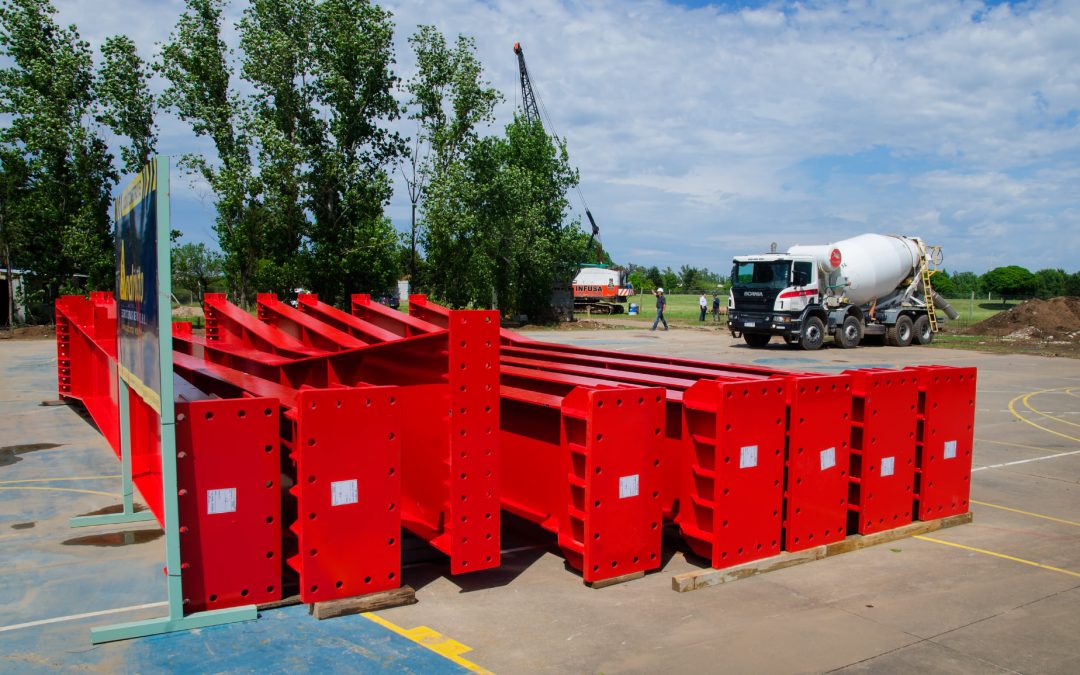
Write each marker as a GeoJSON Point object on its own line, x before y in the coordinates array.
{"type": "Point", "coordinates": [532, 113]}
{"type": "Point", "coordinates": [528, 98]}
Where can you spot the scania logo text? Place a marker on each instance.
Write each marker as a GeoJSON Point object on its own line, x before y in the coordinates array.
{"type": "Point", "coordinates": [754, 294]}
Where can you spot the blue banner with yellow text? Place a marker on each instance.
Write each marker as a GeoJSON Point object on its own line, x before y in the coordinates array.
{"type": "Point", "coordinates": [138, 236]}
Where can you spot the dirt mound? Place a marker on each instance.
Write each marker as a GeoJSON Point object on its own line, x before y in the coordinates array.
{"type": "Point", "coordinates": [1056, 319]}
{"type": "Point", "coordinates": [29, 333]}
{"type": "Point", "coordinates": [187, 312]}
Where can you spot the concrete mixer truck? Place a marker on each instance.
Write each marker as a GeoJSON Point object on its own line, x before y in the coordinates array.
{"type": "Point", "coordinates": [872, 284]}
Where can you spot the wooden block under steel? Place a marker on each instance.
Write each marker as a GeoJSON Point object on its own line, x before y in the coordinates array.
{"type": "Point", "coordinates": [371, 602]}
{"type": "Point", "coordinates": [604, 583]}
{"type": "Point", "coordinates": [691, 581]}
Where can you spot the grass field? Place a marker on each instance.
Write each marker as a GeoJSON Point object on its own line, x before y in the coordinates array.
{"type": "Point", "coordinates": [682, 310]}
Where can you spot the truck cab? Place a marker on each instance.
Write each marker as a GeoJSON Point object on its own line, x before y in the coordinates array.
{"type": "Point", "coordinates": [772, 294]}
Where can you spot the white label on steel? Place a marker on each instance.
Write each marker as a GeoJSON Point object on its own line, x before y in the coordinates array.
{"type": "Point", "coordinates": [220, 501]}
{"type": "Point", "coordinates": [628, 486]}
{"type": "Point", "coordinates": [888, 466]}
{"type": "Point", "coordinates": [950, 449]}
{"type": "Point", "coordinates": [747, 456]}
{"type": "Point", "coordinates": [343, 492]}
{"type": "Point", "coordinates": [828, 458]}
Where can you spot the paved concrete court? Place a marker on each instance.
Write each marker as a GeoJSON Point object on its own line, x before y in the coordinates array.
{"type": "Point", "coordinates": [999, 595]}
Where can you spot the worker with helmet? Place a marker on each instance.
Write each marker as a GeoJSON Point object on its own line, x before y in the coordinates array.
{"type": "Point", "coordinates": [661, 304]}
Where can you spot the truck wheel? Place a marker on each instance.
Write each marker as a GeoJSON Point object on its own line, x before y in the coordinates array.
{"type": "Point", "coordinates": [923, 334]}
{"type": "Point", "coordinates": [813, 334]}
{"type": "Point", "coordinates": [849, 334]}
{"type": "Point", "coordinates": [900, 333]}
{"type": "Point", "coordinates": [757, 340]}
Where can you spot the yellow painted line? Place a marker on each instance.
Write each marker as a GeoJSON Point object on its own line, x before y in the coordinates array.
{"type": "Point", "coordinates": [59, 489]}
{"type": "Point", "coordinates": [1027, 513]}
{"type": "Point", "coordinates": [53, 480]}
{"type": "Point", "coordinates": [1012, 409]}
{"type": "Point", "coordinates": [998, 555]}
{"type": "Point", "coordinates": [1046, 415]}
{"type": "Point", "coordinates": [435, 641]}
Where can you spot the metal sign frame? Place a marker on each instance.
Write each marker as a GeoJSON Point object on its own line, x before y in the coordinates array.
{"type": "Point", "coordinates": [151, 188]}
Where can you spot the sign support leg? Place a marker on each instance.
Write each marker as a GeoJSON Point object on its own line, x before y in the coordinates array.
{"type": "Point", "coordinates": [127, 488]}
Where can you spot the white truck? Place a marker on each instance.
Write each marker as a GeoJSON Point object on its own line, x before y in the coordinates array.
{"type": "Point", "coordinates": [871, 284]}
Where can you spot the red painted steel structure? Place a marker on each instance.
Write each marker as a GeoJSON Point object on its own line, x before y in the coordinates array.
{"type": "Point", "coordinates": [227, 454]}
{"type": "Point", "coordinates": [883, 425]}
{"type": "Point", "coordinates": [946, 424]}
{"type": "Point", "coordinates": [449, 488]}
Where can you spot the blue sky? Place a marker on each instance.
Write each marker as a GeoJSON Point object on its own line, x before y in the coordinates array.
{"type": "Point", "coordinates": [706, 130]}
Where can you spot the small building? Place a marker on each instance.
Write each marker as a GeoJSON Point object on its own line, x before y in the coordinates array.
{"type": "Point", "coordinates": [6, 289]}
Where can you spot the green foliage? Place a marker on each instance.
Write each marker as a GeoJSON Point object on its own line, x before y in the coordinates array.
{"type": "Point", "coordinates": [496, 232]}
{"type": "Point", "coordinates": [57, 226]}
{"type": "Point", "coordinates": [1050, 283]}
{"type": "Point", "coordinates": [195, 267]}
{"type": "Point", "coordinates": [669, 280]}
{"type": "Point", "coordinates": [1072, 285]}
{"type": "Point", "coordinates": [449, 99]}
{"type": "Point", "coordinates": [194, 61]}
{"type": "Point", "coordinates": [943, 284]}
{"type": "Point", "coordinates": [1010, 282]}
{"type": "Point", "coordinates": [126, 104]}
{"type": "Point", "coordinates": [965, 283]}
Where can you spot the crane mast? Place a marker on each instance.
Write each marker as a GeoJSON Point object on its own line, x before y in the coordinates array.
{"type": "Point", "coordinates": [528, 98]}
{"type": "Point", "coordinates": [532, 114]}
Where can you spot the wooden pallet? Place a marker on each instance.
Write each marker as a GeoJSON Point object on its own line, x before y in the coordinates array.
{"type": "Point", "coordinates": [692, 581]}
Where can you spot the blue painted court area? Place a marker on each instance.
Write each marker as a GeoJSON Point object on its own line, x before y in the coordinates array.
{"type": "Point", "coordinates": [57, 582]}
{"type": "Point", "coordinates": [281, 640]}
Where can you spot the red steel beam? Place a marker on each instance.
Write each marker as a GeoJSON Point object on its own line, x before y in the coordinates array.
{"type": "Point", "coordinates": [364, 331]}
{"type": "Point", "coordinates": [227, 323]}
{"type": "Point", "coordinates": [398, 323]}
{"type": "Point", "coordinates": [946, 423]}
{"type": "Point", "coordinates": [585, 465]}
{"type": "Point", "coordinates": [308, 330]}
{"type": "Point", "coordinates": [883, 426]}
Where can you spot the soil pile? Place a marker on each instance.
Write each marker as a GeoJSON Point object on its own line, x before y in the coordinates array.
{"type": "Point", "coordinates": [1056, 319]}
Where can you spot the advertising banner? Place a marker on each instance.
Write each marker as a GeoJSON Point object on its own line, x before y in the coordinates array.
{"type": "Point", "coordinates": [139, 234]}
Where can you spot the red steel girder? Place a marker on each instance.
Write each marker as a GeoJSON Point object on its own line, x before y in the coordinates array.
{"type": "Point", "coordinates": [347, 450]}
{"type": "Point", "coordinates": [945, 440]}
{"type": "Point", "coordinates": [310, 331]}
{"type": "Point", "coordinates": [883, 426]}
{"type": "Point", "coordinates": [450, 463]}
{"type": "Point", "coordinates": [226, 323]}
{"type": "Point", "coordinates": [732, 495]}
{"type": "Point", "coordinates": [86, 359]}
{"type": "Point", "coordinates": [817, 460]}
{"type": "Point", "coordinates": [230, 511]}
{"type": "Point", "coordinates": [364, 331]}
{"type": "Point", "coordinates": [586, 466]}
{"type": "Point", "coordinates": [399, 323]}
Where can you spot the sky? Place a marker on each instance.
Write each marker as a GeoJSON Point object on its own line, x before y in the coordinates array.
{"type": "Point", "coordinates": [704, 130]}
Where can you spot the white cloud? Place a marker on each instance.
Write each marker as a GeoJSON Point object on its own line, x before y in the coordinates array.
{"type": "Point", "coordinates": [706, 126]}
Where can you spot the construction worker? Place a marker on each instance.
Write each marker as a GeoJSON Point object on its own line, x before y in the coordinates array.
{"type": "Point", "coordinates": [716, 306]}
{"type": "Point", "coordinates": [661, 304]}
{"type": "Point", "coordinates": [703, 305]}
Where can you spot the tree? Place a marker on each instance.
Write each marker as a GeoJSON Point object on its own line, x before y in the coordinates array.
{"type": "Point", "coordinates": [1050, 283]}
{"type": "Point", "coordinates": [655, 277]}
{"type": "Point", "coordinates": [126, 104]}
{"type": "Point", "coordinates": [449, 100]}
{"type": "Point", "coordinates": [1072, 285]}
{"type": "Point", "coordinates": [1011, 281]}
{"type": "Point", "coordinates": [496, 232]}
{"type": "Point", "coordinates": [689, 277]}
{"type": "Point", "coordinates": [195, 267]}
{"type": "Point", "coordinates": [669, 280]}
{"type": "Point", "coordinates": [48, 93]}
{"type": "Point", "coordinates": [194, 61]}
{"type": "Point", "coordinates": [966, 283]}
{"type": "Point", "coordinates": [943, 284]}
